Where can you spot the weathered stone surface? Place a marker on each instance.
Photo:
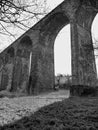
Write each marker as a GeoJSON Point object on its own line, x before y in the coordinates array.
{"type": "Point", "coordinates": [21, 67]}
{"type": "Point", "coordinates": [82, 90]}
{"type": "Point", "coordinates": [27, 66]}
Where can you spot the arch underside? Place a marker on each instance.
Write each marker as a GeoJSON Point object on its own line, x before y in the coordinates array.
{"type": "Point", "coordinates": [6, 69]}
{"type": "Point", "coordinates": [21, 70]}
{"type": "Point", "coordinates": [82, 52]}
{"type": "Point", "coordinates": [48, 33]}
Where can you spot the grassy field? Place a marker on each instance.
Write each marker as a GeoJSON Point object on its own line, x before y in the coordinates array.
{"type": "Point", "coordinates": [75, 113]}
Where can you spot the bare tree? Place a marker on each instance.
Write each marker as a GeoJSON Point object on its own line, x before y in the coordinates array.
{"type": "Point", "coordinates": [20, 13]}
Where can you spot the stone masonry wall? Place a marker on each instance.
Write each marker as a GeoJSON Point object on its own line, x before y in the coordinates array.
{"type": "Point", "coordinates": [27, 65]}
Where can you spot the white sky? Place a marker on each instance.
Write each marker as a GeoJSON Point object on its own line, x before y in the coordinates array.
{"type": "Point", "coordinates": [62, 44]}
{"type": "Point", "coordinates": [62, 52]}
{"type": "Point", "coordinates": [53, 3]}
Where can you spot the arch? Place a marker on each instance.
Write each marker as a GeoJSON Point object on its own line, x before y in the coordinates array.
{"type": "Point", "coordinates": [49, 30]}
{"type": "Point", "coordinates": [7, 70]}
{"type": "Point", "coordinates": [94, 31]}
{"type": "Point", "coordinates": [80, 22]}
{"type": "Point", "coordinates": [24, 47]}
{"type": "Point", "coordinates": [62, 52]}
{"type": "Point", "coordinates": [52, 27]}
{"type": "Point", "coordinates": [22, 65]}
{"type": "Point", "coordinates": [11, 52]}
{"type": "Point", "coordinates": [26, 42]}
{"type": "Point", "coordinates": [80, 15]}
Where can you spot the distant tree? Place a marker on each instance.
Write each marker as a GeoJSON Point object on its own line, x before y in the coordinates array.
{"type": "Point", "coordinates": [95, 45]}
{"type": "Point", "coordinates": [69, 79]}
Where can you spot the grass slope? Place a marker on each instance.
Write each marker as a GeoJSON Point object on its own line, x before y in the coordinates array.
{"type": "Point", "coordinates": [71, 114]}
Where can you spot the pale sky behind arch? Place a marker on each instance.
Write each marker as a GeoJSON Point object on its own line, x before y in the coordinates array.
{"type": "Point", "coordinates": [62, 51]}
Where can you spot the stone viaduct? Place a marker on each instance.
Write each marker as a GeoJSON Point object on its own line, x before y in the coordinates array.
{"type": "Point", "coordinates": [27, 65]}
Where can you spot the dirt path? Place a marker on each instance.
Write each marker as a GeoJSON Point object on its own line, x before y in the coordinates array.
{"type": "Point", "coordinates": [12, 109]}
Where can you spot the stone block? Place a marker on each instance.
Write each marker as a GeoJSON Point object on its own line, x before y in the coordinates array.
{"type": "Point", "coordinates": [83, 91]}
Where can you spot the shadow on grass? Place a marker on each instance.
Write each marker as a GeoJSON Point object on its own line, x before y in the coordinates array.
{"type": "Point", "coordinates": [71, 114]}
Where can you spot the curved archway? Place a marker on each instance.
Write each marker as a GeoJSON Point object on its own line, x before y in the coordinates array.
{"type": "Point", "coordinates": [22, 65]}
{"type": "Point", "coordinates": [94, 31]}
{"type": "Point", "coordinates": [52, 27]}
{"type": "Point", "coordinates": [7, 71]}
{"type": "Point", "coordinates": [24, 47]}
{"type": "Point", "coordinates": [49, 31]}
{"type": "Point", "coordinates": [62, 52]}
{"type": "Point", "coordinates": [11, 52]}
{"type": "Point", "coordinates": [83, 62]}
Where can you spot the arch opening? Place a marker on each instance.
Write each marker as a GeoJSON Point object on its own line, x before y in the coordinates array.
{"type": "Point", "coordinates": [11, 52]}
{"type": "Point", "coordinates": [22, 65]}
{"type": "Point", "coordinates": [53, 25]}
{"type": "Point", "coordinates": [62, 58]}
{"type": "Point", "coordinates": [94, 31]}
{"type": "Point", "coordinates": [62, 52]}
{"type": "Point", "coordinates": [24, 47]}
{"type": "Point", "coordinates": [7, 70]}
